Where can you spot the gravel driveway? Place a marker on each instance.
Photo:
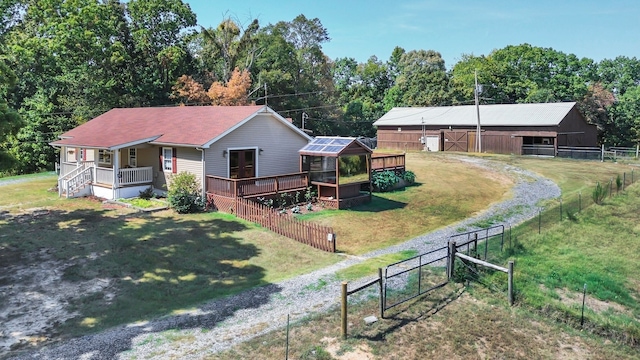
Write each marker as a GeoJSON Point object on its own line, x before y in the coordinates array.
{"type": "Point", "coordinates": [222, 323]}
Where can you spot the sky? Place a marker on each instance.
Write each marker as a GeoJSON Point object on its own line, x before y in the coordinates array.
{"type": "Point", "coordinates": [602, 29]}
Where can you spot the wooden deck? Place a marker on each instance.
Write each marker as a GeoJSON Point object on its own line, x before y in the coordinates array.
{"type": "Point", "coordinates": [258, 186]}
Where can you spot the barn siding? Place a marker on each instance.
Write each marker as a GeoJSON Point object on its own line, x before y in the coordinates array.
{"type": "Point", "coordinates": [280, 145]}
{"type": "Point", "coordinates": [575, 131]}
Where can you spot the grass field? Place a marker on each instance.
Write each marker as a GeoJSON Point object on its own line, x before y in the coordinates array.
{"type": "Point", "coordinates": [156, 264]}
{"type": "Point", "coordinates": [596, 247]}
{"type": "Point", "coordinates": [447, 191]}
{"type": "Point", "coordinates": [162, 263]}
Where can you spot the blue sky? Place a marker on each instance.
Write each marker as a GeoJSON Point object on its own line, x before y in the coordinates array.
{"type": "Point", "coordinates": [359, 29]}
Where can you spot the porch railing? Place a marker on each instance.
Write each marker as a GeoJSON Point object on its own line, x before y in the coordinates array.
{"type": "Point", "coordinates": [67, 167]}
{"type": "Point", "coordinates": [131, 176]}
{"type": "Point", "coordinates": [380, 162]}
{"type": "Point", "coordinates": [258, 186]}
{"type": "Point", "coordinates": [104, 176]}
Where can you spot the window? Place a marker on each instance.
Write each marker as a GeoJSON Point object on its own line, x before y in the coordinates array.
{"type": "Point", "coordinates": [133, 157]}
{"type": "Point", "coordinates": [167, 159]}
{"type": "Point", "coordinates": [104, 156]}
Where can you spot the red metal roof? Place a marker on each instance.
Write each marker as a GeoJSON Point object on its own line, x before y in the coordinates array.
{"type": "Point", "coordinates": [181, 125]}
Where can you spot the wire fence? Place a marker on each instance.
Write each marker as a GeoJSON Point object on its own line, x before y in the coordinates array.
{"type": "Point", "coordinates": [568, 206]}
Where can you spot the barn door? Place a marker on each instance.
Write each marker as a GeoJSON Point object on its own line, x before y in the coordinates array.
{"type": "Point", "coordinates": [455, 141]}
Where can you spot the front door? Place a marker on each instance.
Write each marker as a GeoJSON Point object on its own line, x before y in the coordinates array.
{"type": "Point", "coordinates": [242, 163]}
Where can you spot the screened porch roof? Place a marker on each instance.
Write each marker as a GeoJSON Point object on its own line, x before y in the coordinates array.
{"type": "Point", "coordinates": [333, 146]}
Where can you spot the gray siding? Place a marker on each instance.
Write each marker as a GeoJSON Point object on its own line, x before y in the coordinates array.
{"type": "Point", "coordinates": [280, 145]}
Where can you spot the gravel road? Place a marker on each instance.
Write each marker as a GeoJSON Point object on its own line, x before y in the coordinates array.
{"type": "Point", "coordinates": [220, 324]}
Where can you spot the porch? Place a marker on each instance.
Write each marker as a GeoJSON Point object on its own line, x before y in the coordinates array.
{"type": "Point", "coordinates": [86, 178]}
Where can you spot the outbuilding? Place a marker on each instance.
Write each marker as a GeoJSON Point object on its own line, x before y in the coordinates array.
{"type": "Point", "coordinates": [521, 129]}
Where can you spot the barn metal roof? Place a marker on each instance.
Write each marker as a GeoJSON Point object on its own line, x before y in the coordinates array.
{"type": "Point", "coordinates": [329, 145]}
{"type": "Point", "coordinates": [546, 114]}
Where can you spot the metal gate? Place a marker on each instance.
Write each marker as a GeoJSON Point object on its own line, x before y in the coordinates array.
{"type": "Point", "coordinates": [468, 241]}
{"type": "Point", "coordinates": [408, 279]}
{"type": "Point", "coordinates": [455, 140]}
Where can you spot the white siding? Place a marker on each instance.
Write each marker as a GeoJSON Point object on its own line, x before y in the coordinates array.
{"type": "Point", "coordinates": [280, 145]}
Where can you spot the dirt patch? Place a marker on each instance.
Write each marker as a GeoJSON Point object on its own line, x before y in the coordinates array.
{"type": "Point", "coordinates": [35, 298]}
{"type": "Point", "coordinates": [591, 303]}
{"type": "Point", "coordinates": [358, 352]}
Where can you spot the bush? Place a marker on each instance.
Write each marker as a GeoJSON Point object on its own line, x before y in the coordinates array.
{"type": "Point", "coordinates": [599, 193]}
{"type": "Point", "coordinates": [409, 176]}
{"type": "Point", "coordinates": [146, 194]}
{"type": "Point", "coordinates": [383, 181]}
{"type": "Point", "coordinates": [184, 195]}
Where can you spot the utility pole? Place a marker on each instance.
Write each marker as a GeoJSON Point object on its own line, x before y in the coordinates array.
{"type": "Point", "coordinates": [265, 94]}
{"type": "Point", "coordinates": [478, 129]}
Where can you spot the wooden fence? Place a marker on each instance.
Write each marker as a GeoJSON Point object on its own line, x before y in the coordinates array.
{"type": "Point", "coordinates": [317, 236]}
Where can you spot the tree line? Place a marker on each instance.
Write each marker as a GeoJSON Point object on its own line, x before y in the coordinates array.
{"type": "Point", "coordinates": [64, 62]}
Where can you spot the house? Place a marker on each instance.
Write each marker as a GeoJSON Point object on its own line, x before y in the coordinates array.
{"type": "Point", "coordinates": [124, 151]}
{"type": "Point", "coordinates": [536, 129]}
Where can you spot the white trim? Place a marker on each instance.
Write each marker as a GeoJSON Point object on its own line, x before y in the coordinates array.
{"type": "Point", "coordinates": [228, 150]}
{"type": "Point", "coordinates": [114, 147]}
{"type": "Point", "coordinates": [259, 112]}
{"type": "Point", "coordinates": [135, 142]}
{"type": "Point", "coordinates": [164, 159]}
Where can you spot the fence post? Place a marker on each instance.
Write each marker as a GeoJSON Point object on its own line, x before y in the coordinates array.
{"type": "Point", "coordinates": [343, 307]}
{"type": "Point", "coordinates": [580, 201]}
{"type": "Point", "coordinates": [602, 153]}
{"type": "Point", "coordinates": [539, 220]}
{"type": "Point", "coordinates": [560, 209]}
{"type": "Point", "coordinates": [624, 179]}
{"type": "Point", "coordinates": [452, 256]}
{"type": "Point", "coordinates": [381, 294]}
{"type": "Point", "coordinates": [637, 150]}
{"type": "Point", "coordinates": [511, 283]}
{"type": "Point", "coordinates": [611, 187]}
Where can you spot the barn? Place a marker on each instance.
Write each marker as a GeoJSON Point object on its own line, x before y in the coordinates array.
{"type": "Point", "coordinates": [521, 129]}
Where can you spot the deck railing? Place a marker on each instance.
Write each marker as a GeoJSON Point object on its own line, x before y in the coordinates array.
{"type": "Point", "coordinates": [258, 186]}
{"type": "Point", "coordinates": [380, 162]}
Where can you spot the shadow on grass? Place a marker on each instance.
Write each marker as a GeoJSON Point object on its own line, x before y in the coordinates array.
{"type": "Point", "coordinates": [417, 310]}
{"type": "Point", "coordinates": [151, 266]}
{"type": "Point", "coordinates": [379, 204]}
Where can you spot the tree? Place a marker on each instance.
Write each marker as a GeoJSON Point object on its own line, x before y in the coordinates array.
{"type": "Point", "coordinates": [227, 44]}
{"type": "Point", "coordinates": [234, 92]}
{"type": "Point", "coordinates": [296, 71]}
{"type": "Point", "coordinates": [624, 125]}
{"type": "Point", "coordinates": [619, 74]}
{"type": "Point", "coordinates": [422, 80]}
{"type": "Point", "coordinates": [595, 106]}
{"type": "Point", "coordinates": [9, 119]}
{"type": "Point", "coordinates": [187, 91]}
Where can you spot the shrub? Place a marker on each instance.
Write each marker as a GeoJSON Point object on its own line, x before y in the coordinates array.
{"type": "Point", "coordinates": [409, 176]}
{"type": "Point", "coordinates": [599, 193]}
{"type": "Point", "coordinates": [384, 180]}
{"type": "Point", "coordinates": [184, 194]}
{"type": "Point", "coordinates": [146, 194]}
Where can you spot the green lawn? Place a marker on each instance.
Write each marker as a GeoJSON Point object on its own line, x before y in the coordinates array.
{"type": "Point", "coordinates": [158, 263]}
{"type": "Point", "coordinates": [447, 191]}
